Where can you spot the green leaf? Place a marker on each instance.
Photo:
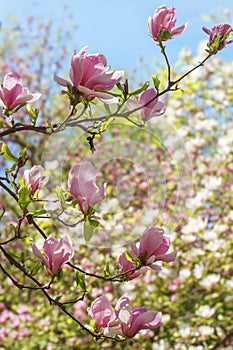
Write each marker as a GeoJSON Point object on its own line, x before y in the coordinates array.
{"type": "Point", "coordinates": [129, 257]}
{"type": "Point", "coordinates": [88, 231]}
{"type": "Point", "coordinates": [93, 223]}
{"type": "Point", "coordinates": [37, 212]}
{"type": "Point", "coordinates": [33, 114]}
{"type": "Point", "coordinates": [23, 154]}
{"type": "Point", "coordinates": [11, 169]}
{"type": "Point", "coordinates": [119, 87]}
{"type": "Point", "coordinates": [156, 81]}
{"type": "Point", "coordinates": [36, 267]}
{"type": "Point", "coordinates": [141, 89]}
{"type": "Point", "coordinates": [59, 274]}
{"type": "Point", "coordinates": [6, 153]}
{"type": "Point", "coordinates": [164, 35]}
{"type": "Point", "coordinates": [60, 195]}
{"type": "Point", "coordinates": [89, 227]}
{"type": "Point", "coordinates": [15, 257]}
{"type": "Point", "coordinates": [58, 298]}
{"type": "Point", "coordinates": [135, 261]}
{"type": "Point", "coordinates": [106, 124]}
{"type": "Point", "coordinates": [107, 268]}
{"type": "Point", "coordinates": [80, 280]}
{"type": "Point", "coordinates": [24, 197]}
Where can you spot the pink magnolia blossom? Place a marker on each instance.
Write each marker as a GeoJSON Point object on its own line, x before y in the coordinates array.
{"type": "Point", "coordinates": [152, 248]}
{"type": "Point", "coordinates": [221, 30]}
{"type": "Point", "coordinates": [82, 186]}
{"type": "Point", "coordinates": [34, 178]}
{"type": "Point", "coordinates": [134, 319]}
{"type": "Point", "coordinates": [89, 75]}
{"type": "Point", "coordinates": [56, 253]}
{"type": "Point", "coordinates": [126, 320]}
{"type": "Point", "coordinates": [101, 312]}
{"type": "Point", "coordinates": [161, 25]}
{"type": "Point", "coordinates": [13, 94]}
{"type": "Point", "coordinates": [152, 109]}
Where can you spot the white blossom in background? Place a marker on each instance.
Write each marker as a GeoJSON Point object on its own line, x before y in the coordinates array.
{"type": "Point", "coordinates": [210, 280]}
{"type": "Point", "coordinates": [217, 245]}
{"type": "Point", "coordinates": [197, 201]}
{"type": "Point", "coordinates": [206, 331]}
{"type": "Point", "coordinates": [198, 270]}
{"type": "Point", "coordinates": [212, 182]}
{"type": "Point", "coordinates": [184, 274]}
{"type": "Point", "coordinates": [209, 235]}
{"type": "Point", "coordinates": [229, 283]}
{"type": "Point", "coordinates": [161, 345]}
{"type": "Point", "coordinates": [194, 225]}
{"type": "Point", "coordinates": [205, 311]}
{"type": "Point", "coordinates": [185, 330]}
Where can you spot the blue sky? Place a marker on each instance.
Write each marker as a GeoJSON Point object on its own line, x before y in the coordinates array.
{"type": "Point", "coordinates": [118, 28]}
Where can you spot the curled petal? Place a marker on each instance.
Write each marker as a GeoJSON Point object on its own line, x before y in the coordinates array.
{"type": "Point", "coordinates": [101, 312]}
{"type": "Point", "coordinates": [61, 81]}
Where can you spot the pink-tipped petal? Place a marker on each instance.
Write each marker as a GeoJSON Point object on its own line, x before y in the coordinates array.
{"type": "Point", "coordinates": [101, 312]}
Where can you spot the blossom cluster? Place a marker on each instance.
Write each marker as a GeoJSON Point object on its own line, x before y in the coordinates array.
{"type": "Point", "coordinates": [92, 79]}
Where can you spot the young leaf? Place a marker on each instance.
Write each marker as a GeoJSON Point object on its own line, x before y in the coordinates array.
{"type": "Point", "coordinates": [88, 231]}
{"type": "Point", "coordinates": [129, 257]}
{"type": "Point", "coordinates": [36, 267]}
{"type": "Point", "coordinates": [141, 89]}
{"type": "Point", "coordinates": [58, 298]}
{"type": "Point", "coordinates": [107, 268]}
{"type": "Point", "coordinates": [37, 212]}
{"type": "Point", "coordinates": [60, 194]}
{"type": "Point", "coordinates": [24, 197]}
{"type": "Point", "coordinates": [80, 280]}
{"type": "Point", "coordinates": [23, 154]}
{"type": "Point", "coordinates": [33, 114]}
{"type": "Point", "coordinates": [60, 274]}
{"type": "Point", "coordinates": [156, 81]}
{"type": "Point", "coordinates": [6, 153]}
{"type": "Point", "coordinates": [89, 227]}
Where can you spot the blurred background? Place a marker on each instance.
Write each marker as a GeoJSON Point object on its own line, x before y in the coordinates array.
{"type": "Point", "coordinates": [118, 29]}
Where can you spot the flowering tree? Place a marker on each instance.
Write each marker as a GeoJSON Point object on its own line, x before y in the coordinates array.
{"type": "Point", "coordinates": [87, 268]}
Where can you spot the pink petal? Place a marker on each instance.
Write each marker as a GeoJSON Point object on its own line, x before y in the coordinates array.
{"type": "Point", "coordinates": [179, 30]}
{"type": "Point", "coordinates": [102, 96]}
{"type": "Point", "coordinates": [98, 196]}
{"type": "Point", "coordinates": [50, 245]}
{"type": "Point", "coordinates": [11, 80]}
{"type": "Point", "coordinates": [147, 320]}
{"type": "Point", "coordinates": [166, 257]}
{"type": "Point", "coordinates": [61, 81]}
{"type": "Point", "coordinates": [37, 253]}
{"type": "Point", "coordinates": [77, 62]}
{"type": "Point", "coordinates": [150, 240]}
{"type": "Point", "coordinates": [207, 31]}
{"type": "Point", "coordinates": [101, 312]}
{"type": "Point", "coordinates": [93, 66]}
{"type": "Point", "coordinates": [163, 247]}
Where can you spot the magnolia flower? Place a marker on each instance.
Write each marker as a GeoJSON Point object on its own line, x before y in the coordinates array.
{"type": "Point", "coordinates": [152, 109]}
{"type": "Point", "coordinates": [89, 75]}
{"type": "Point", "coordinates": [133, 319]}
{"type": "Point", "coordinates": [219, 30]}
{"type": "Point", "coordinates": [102, 313]}
{"type": "Point", "coordinates": [127, 320]}
{"type": "Point", "coordinates": [82, 186]}
{"type": "Point", "coordinates": [152, 248]}
{"type": "Point", "coordinates": [13, 94]}
{"type": "Point", "coordinates": [161, 25]}
{"type": "Point", "coordinates": [56, 253]}
{"type": "Point", "coordinates": [34, 178]}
